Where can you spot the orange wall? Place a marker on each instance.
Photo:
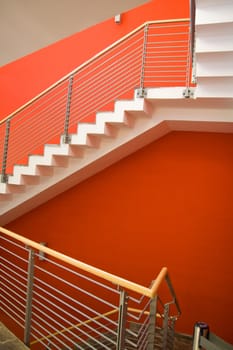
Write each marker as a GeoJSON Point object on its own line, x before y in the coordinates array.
{"type": "Point", "coordinates": [169, 204]}
{"type": "Point", "coordinates": [23, 79]}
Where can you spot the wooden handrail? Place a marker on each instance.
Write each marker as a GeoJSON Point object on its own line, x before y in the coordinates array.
{"type": "Point", "coordinates": [155, 286]}
{"type": "Point", "coordinates": [101, 53]}
{"type": "Point", "coordinates": [119, 281]}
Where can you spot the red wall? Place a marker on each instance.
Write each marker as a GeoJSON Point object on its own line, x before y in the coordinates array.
{"type": "Point", "coordinates": [169, 204]}
{"type": "Point", "coordinates": [23, 79]}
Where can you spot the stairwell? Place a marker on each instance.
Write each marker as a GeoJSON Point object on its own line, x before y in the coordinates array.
{"type": "Point", "coordinates": [132, 125]}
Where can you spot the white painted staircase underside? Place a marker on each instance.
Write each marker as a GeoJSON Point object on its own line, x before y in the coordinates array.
{"type": "Point", "coordinates": [132, 125]}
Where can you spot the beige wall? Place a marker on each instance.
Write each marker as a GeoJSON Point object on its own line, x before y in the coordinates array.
{"type": "Point", "coordinates": [26, 26]}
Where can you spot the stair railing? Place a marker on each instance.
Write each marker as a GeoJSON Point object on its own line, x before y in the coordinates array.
{"type": "Point", "coordinates": [61, 303]}
{"type": "Point", "coordinates": [156, 54]}
{"type": "Point", "coordinates": [204, 339]}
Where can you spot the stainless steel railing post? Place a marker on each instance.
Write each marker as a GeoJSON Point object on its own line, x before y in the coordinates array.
{"type": "Point", "coordinates": [152, 321]}
{"type": "Point", "coordinates": [165, 326]}
{"type": "Point", "coordinates": [171, 332]}
{"type": "Point", "coordinates": [192, 6]}
{"type": "Point", "coordinates": [141, 90]}
{"type": "Point", "coordinates": [175, 301]}
{"type": "Point", "coordinates": [200, 329]}
{"type": "Point", "coordinates": [121, 332]}
{"type": "Point", "coordinates": [66, 137]}
{"type": "Point", "coordinates": [4, 176]}
{"type": "Point", "coordinates": [28, 312]}
{"type": "Point", "coordinates": [191, 59]}
{"type": "Point", "coordinates": [192, 29]}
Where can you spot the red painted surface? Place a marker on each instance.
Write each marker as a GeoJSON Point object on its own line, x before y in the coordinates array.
{"type": "Point", "coordinates": [169, 204]}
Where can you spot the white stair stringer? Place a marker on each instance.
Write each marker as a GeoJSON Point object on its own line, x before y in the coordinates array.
{"type": "Point", "coordinates": [133, 125]}
{"type": "Point", "coordinates": [40, 169]}
{"type": "Point", "coordinates": [214, 48]}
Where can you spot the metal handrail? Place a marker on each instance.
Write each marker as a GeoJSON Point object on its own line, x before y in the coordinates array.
{"type": "Point", "coordinates": [92, 59]}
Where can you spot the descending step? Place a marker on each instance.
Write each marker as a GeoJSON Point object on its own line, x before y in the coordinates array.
{"type": "Point", "coordinates": [214, 48]}
{"type": "Point", "coordinates": [209, 11]}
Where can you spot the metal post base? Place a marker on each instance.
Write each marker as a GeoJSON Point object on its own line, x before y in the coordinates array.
{"type": "Point", "coordinates": [141, 93]}
{"type": "Point", "coordinates": [188, 93]}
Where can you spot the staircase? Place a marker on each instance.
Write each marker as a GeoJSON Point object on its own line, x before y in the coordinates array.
{"type": "Point", "coordinates": [157, 107]}
{"type": "Point", "coordinates": [177, 341]}
{"type": "Point", "coordinates": [214, 49]}
{"type": "Point", "coordinates": [58, 302]}
{"type": "Point", "coordinates": [203, 338]}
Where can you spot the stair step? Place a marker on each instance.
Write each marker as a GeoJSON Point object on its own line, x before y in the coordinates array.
{"type": "Point", "coordinates": [218, 87]}
{"type": "Point", "coordinates": [209, 11]}
{"type": "Point", "coordinates": [216, 64]}
{"type": "Point", "coordinates": [214, 37]}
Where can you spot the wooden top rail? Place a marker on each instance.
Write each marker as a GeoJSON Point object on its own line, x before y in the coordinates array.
{"type": "Point", "coordinates": [149, 292]}
{"type": "Point", "coordinates": [155, 286]}
{"type": "Point", "coordinates": [101, 53]}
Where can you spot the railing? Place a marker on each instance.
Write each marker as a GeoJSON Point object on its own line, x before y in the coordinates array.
{"type": "Point", "coordinates": [204, 339]}
{"type": "Point", "coordinates": [156, 54]}
{"type": "Point", "coordinates": [61, 303]}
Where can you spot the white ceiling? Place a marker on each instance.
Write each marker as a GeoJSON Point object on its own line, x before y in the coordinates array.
{"type": "Point", "coordinates": [29, 25]}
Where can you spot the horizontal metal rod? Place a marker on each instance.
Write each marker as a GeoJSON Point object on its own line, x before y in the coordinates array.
{"type": "Point", "coordinates": [12, 291]}
{"type": "Point", "coordinates": [42, 338]}
{"type": "Point", "coordinates": [15, 266]}
{"type": "Point", "coordinates": [50, 328]}
{"type": "Point", "coordinates": [74, 309]}
{"type": "Point", "coordinates": [15, 255]}
{"type": "Point", "coordinates": [80, 323]}
{"type": "Point", "coordinates": [14, 285]}
{"type": "Point", "coordinates": [14, 307]}
{"type": "Point", "coordinates": [82, 276]}
{"type": "Point", "coordinates": [75, 287]}
{"type": "Point", "coordinates": [51, 342]}
{"type": "Point", "coordinates": [14, 319]}
{"type": "Point", "coordinates": [14, 272]}
{"type": "Point", "coordinates": [6, 239]}
{"type": "Point", "coordinates": [17, 282]}
{"type": "Point", "coordinates": [75, 326]}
